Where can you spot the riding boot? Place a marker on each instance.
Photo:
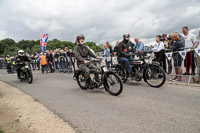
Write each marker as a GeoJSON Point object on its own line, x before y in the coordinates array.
{"type": "Point", "coordinates": [18, 75]}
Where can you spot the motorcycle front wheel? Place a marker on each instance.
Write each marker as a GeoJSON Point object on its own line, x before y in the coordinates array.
{"type": "Point", "coordinates": [30, 76]}
{"type": "Point", "coordinates": [155, 76]}
{"type": "Point", "coordinates": [112, 83]}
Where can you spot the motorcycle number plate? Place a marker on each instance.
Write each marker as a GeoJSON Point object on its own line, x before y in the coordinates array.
{"type": "Point", "coordinates": [105, 69]}
{"type": "Point", "coordinates": [26, 66]}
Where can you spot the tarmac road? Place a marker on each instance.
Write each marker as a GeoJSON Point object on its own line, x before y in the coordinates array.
{"type": "Point", "coordinates": [139, 109]}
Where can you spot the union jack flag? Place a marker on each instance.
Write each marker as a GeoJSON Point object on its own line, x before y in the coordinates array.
{"type": "Point", "coordinates": [43, 42]}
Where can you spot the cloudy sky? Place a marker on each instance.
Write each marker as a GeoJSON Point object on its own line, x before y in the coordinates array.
{"type": "Point", "coordinates": [99, 21]}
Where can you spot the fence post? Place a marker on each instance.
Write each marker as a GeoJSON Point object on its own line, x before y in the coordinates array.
{"type": "Point", "coordinates": [199, 70]}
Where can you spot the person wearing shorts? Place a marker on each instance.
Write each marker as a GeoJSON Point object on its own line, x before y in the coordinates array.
{"type": "Point", "coordinates": [177, 60]}
{"type": "Point", "coordinates": [179, 43]}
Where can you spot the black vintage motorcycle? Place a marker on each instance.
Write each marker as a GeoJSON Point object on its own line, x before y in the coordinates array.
{"type": "Point", "coordinates": [152, 74]}
{"type": "Point", "coordinates": [108, 80]}
{"type": "Point", "coordinates": [25, 73]}
{"type": "Point", "coordinates": [8, 66]}
{"type": "Point", "coordinates": [13, 67]}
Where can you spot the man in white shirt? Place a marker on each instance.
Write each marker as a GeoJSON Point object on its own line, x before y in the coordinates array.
{"type": "Point", "coordinates": [159, 45]}
{"type": "Point", "coordinates": [159, 50]}
{"type": "Point", "coordinates": [198, 38]}
{"type": "Point", "coordinates": [190, 42]}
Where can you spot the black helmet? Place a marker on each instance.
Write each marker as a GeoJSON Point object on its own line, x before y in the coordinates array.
{"type": "Point", "coordinates": [126, 35]}
{"type": "Point", "coordinates": [81, 36]}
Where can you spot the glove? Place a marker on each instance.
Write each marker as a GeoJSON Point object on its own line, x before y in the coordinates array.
{"type": "Point", "coordinates": [127, 55]}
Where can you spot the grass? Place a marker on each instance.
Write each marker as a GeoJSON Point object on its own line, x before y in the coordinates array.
{"type": "Point", "coordinates": [17, 120]}
{"type": "Point", "coordinates": [1, 131]}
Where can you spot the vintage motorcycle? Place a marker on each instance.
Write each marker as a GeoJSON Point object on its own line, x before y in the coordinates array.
{"type": "Point", "coordinates": [25, 73]}
{"type": "Point", "coordinates": [152, 73]}
{"type": "Point", "coordinates": [108, 79]}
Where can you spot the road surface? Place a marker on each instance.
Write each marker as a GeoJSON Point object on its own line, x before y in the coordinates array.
{"type": "Point", "coordinates": [139, 109]}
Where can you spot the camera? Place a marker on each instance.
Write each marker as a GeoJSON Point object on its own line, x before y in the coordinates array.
{"type": "Point", "coordinates": [163, 39]}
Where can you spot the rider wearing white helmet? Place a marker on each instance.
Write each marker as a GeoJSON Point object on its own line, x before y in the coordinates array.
{"type": "Point", "coordinates": [21, 52]}
{"type": "Point", "coordinates": [21, 57]}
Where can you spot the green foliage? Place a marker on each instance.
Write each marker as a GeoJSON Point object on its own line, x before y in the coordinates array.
{"type": "Point", "coordinates": [9, 46]}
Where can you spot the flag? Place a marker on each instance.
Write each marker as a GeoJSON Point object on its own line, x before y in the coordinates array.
{"type": "Point", "coordinates": [183, 54]}
{"type": "Point", "coordinates": [198, 50]}
{"type": "Point", "coordinates": [168, 55]}
{"type": "Point", "coordinates": [43, 42]}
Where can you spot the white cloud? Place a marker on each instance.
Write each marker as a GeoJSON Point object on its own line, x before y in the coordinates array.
{"type": "Point", "coordinates": [3, 35]}
{"type": "Point", "coordinates": [99, 21]}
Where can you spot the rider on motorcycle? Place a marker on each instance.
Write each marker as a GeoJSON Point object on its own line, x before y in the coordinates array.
{"type": "Point", "coordinates": [125, 47]}
{"type": "Point", "coordinates": [21, 58]}
{"type": "Point", "coordinates": [81, 54]}
{"type": "Point", "coordinates": [8, 63]}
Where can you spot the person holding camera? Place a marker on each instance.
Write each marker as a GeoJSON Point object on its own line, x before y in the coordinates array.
{"type": "Point", "coordinates": [167, 43]}
{"type": "Point", "coordinates": [177, 45]}
{"type": "Point", "coordinates": [159, 50]}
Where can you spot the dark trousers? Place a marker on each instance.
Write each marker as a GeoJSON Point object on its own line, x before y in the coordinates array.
{"type": "Point", "coordinates": [44, 68]}
{"type": "Point", "coordinates": [86, 68]}
{"type": "Point", "coordinates": [108, 63]}
{"type": "Point", "coordinates": [126, 61]}
{"type": "Point", "coordinates": [38, 64]}
{"type": "Point", "coordinates": [189, 61]}
{"type": "Point", "coordinates": [164, 65]}
{"type": "Point", "coordinates": [169, 62]}
{"type": "Point", "coordinates": [34, 63]}
{"type": "Point", "coordinates": [111, 61]}
{"type": "Point", "coordinates": [8, 67]}
{"type": "Point", "coordinates": [160, 57]}
{"type": "Point", "coordinates": [51, 66]}
{"type": "Point", "coordinates": [66, 65]}
{"type": "Point", "coordinates": [73, 63]}
{"type": "Point", "coordinates": [18, 70]}
{"type": "Point", "coordinates": [33, 66]}
{"type": "Point", "coordinates": [61, 66]}
{"type": "Point", "coordinates": [56, 65]}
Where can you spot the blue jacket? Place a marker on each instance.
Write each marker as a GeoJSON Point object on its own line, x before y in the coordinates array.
{"type": "Point", "coordinates": [107, 52]}
{"type": "Point", "coordinates": [139, 46]}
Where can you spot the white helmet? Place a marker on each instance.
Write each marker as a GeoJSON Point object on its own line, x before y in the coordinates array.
{"type": "Point", "coordinates": [21, 52]}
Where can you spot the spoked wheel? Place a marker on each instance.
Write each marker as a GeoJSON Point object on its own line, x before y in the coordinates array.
{"type": "Point", "coordinates": [155, 76]}
{"type": "Point", "coordinates": [122, 73]}
{"type": "Point", "coordinates": [113, 83]}
{"type": "Point", "coordinates": [30, 77]}
{"type": "Point", "coordinates": [12, 70]}
{"type": "Point", "coordinates": [21, 79]}
{"type": "Point", "coordinates": [81, 81]}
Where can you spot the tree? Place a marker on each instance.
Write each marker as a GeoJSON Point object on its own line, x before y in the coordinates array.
{"type": "Point", "coordinates": [9, 46]}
